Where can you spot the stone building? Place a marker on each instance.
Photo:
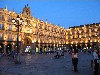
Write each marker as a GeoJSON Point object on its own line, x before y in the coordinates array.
{"type": "Point", "coordinates": [33, 33]}
{"type": "Point", "coordinates": [39, 35]}
{"type": "Point", "coordinates": [83, 36]}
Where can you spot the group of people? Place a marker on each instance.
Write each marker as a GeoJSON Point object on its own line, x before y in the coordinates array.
{"type": "Point", "coordinates": [59, 54]}
{"type": "Point", "coordinates": [15, 55]}
{"type": "Point", "coordinates": [95, 61]}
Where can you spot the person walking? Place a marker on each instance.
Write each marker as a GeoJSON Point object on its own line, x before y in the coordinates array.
{"type": "Point", "coordinates": [75, 60]}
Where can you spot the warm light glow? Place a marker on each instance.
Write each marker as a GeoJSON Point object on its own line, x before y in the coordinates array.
{"type": "Point", "coordinates": [95, 40]}
{"type": "Point", "coordinates": [80, 36]}
{"type": "Point", "coordinates": [81, 41]}
{"type": "Point", "coordinates": [96, 29]}
{"type": "Point", "coordinates": [86, 41]}
{"type": "Point", "coordinates": [71, 42]}
{"type": "Point", "coordinates": [33, 41]}
{"type": "Point", "coordinates": [5, 37]}
{"type": "Point", "coordinates": [0, 46]}
{"type": "Point", "coordinates": [91, 41]}
{"type": "Point", "coordinates": [19, 38]}
{"type": "Point", "coordinates": [13, 43]}
{"type": "Point", "coordinates": [5, 43]}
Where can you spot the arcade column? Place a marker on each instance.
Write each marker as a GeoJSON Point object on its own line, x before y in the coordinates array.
{"type": "Point", "coordinates": [47, 47]}
{"type": "Point", "coordinates": [54, 47]}
{"type": "Point", "coordinates": [43, 48]}
{"type": "Point", "coordinates": [13, 45]}
{"type": "Point", "coordinates": [5, 44]}
{"type": "Point", "coordinates": [86, 46]}
{"type": "Point", "coordinates": [76, 46]}
{"type": "Point", "coordinates": [50, 47]}
{"type": "Point", "coordinates": [32, 46]}
{"type": "Point", "coordinates": [39, 47]}
{"type": "Point", "coordinates": [22, 47]}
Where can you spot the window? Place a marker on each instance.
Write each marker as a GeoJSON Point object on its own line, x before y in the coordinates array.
{"type": "Point", "coordinates": [1, 17]}
{"type": "Point", "coordinates": [1, 26]}
{"type": "Point", "coordinates": [45, 27]}
{"type": "Point", "coordinates": [41, 25]}
{"type": "Point", "coordinates": [9, 19]}
{"type": "Point", "coordinates": [10, 27]}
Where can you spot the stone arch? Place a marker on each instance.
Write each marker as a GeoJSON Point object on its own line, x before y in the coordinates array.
{"type": "Point", "coordinates": [27, 41]}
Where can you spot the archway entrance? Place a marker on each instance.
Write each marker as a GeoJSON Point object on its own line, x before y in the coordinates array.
{"type": "Point", "coordinates": [8, 48]}
{"type": "Point", "coordinates": [28, 44]}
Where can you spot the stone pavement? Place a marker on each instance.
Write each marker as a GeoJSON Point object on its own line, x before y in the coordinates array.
{"type": "Point", "coordinates": [45, 64]}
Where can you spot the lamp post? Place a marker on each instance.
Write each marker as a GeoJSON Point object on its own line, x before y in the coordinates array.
{"type": "Point", "coordinates": [18, 23]}
{"type": "Point", "coordinates": [89, 39]}
{"type": "Point", "coordinates": [36, 44]}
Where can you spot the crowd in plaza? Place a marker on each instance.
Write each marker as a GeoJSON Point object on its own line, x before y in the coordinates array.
{"type": "Point", "coordinates": [95, 63]}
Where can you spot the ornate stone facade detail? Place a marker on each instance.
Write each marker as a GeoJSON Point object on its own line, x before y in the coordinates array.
{"type": "Point", "coordinates": [34, 32]}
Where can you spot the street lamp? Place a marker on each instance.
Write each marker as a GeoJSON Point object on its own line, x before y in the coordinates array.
{"type": "Point", "coordinates": [37, 48]}
{"type": "Point", "coordinates": [18, 23]}
{"type": "Point", "coordinates": [36, 42]}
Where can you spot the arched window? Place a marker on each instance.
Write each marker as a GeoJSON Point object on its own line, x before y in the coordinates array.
{"type": "Point", "coordinates": [2, 17]}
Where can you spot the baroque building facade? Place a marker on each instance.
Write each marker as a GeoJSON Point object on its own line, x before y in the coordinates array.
{"type": "Point", "coordinates": [84, 36]}
{"type": "Point", "coordinates": [43, 36]}
{"type": "Point", "coordinates": [34, 33]}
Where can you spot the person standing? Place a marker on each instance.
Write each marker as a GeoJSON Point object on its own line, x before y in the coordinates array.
{"type": "Point", "coordinates": [75, 60]}
{"type": "Point", "coordinates": [72, 53]}
{"type": "Point", "coordinates": [99, 54]}
{"type": "Point", "coordinates": [95, 62]}
{"type": "Point", "coordinates": [95, 54]}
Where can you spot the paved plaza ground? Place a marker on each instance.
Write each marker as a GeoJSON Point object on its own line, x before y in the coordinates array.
{"type": "Point", "coordinates": [45, 64]}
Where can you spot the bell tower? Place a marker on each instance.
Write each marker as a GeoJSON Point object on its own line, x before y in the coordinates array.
{"type": "Point", "coordinates": [26, 11]}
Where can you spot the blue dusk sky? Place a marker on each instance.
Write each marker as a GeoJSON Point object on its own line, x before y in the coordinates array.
{"type": "Point", "coordinates": [65, 13]}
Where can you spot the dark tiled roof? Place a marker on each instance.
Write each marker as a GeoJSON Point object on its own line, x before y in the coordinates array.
{"type": "Point", "coordinates": [85, 25]}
